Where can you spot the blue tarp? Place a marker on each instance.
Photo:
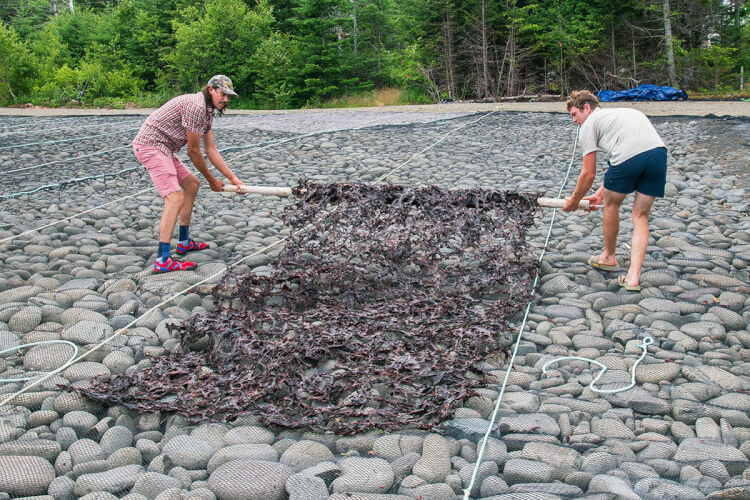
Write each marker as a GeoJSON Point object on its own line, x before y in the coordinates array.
{"type": "Point", "coordinates": [643, 93]}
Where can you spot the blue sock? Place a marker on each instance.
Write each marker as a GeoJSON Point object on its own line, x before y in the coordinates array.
{"type": "Point", "coordinates": [163, 254]}
{"type": "Point", "coordinates": [184, 235]}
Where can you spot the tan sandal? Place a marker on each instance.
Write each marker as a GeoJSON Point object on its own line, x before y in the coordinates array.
{"type": "Point", "coordinates": [594, 261]}
{"type": "Point", "coordinates": [631, 288]}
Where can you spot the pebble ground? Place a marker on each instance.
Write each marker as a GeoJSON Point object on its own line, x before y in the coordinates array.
{"type": "Point", "coordinates": [682, 431]}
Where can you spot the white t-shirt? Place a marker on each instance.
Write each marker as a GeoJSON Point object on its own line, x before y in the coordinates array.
{"type": "Point", "coordinates": [621, 132]}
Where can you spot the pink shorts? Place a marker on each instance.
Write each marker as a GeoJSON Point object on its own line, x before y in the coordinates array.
{"type": "Point", "coordinates": [167, 172]}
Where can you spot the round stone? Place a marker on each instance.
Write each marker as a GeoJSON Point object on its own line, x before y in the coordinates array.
{"type": "Point", "coordinates": [23, 476]}
{"type": "Point", "coordinates": [304, 454]}
{"type": "Point", "coordinates": [188, 452]}
{"type": "Point", "coordinates": [244, 479]}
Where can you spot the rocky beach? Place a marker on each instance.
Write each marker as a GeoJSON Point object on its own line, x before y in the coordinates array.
{"type": "Point", "coordinates": [78, 233]}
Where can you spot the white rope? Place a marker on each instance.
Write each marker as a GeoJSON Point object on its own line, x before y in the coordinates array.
{"type": "Point", "coordinates": [270, 143]}
{"type": "Point", "coordinates": [74, 216]}
{"type": "Point", "coordinates": [62, 161]}
{"type": "Point", "coordinates": [74, 180]}
{"type": "Point", "coordinates": [312, 134]}
{"type": "Point", "coordinates": [125, 328]}
{"type": "Point", "coordinates": [43, 342]}
{"type": "Point", "coordinates": [67, 140]}
{"type": "Point", "coordinates": [178, 294]}
{"type": "Point", "coordinates": [647, 341]}
{"type": "Point", "coordinates": [50, 122]}
{"type": "Point", "coordinates": [57, 129]}
{"type": "Point", "coordinates": [415, 155]}
{"type": "Point", "coordinates": [468, 489]}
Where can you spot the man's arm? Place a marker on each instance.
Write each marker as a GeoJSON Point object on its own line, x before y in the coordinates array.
{"type": "Point", "coordinates": [585, 181]}
{"type": "Point", "coordinates": [196, 156]}
{"type": "Point", "coordinates": [212, 152]}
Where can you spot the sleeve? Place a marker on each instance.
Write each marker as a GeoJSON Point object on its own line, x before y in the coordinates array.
{"type": "Point", "coordinates": [587, 138]}
{"type": "Point", "coordinates": [193, 118]}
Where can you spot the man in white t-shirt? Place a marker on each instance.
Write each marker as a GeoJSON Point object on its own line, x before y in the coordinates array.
{"type": "Point", "coordinates": [638, 162]}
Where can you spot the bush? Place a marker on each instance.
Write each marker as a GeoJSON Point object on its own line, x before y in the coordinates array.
{"type": "Point", "coordinates": [219, 40]}
{"type": "Point", "coordinates": [274, 65]}
{"type": "Point", "coordinates": [714, 64]}
{"type": "Point", "coordinates": [17, 67]}
{"type": "Point", "coordinates": [89, 82]}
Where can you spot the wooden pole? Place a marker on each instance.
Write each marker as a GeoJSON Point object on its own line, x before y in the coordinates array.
{"type": "Point", "coordinates": [560, 202]}
{"type": "Point", "coordinates": [272, 190]}
{"type": "Point", "coordinates": [287, 191]}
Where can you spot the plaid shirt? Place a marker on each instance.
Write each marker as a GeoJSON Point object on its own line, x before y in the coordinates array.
{"type": "Point", "coordinates": [166, 128]}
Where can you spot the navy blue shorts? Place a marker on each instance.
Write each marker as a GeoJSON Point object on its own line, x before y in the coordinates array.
{"type": "Point", "coordinates": [645, 172]}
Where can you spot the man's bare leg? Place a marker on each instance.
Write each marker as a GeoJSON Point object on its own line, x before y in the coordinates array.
{"type": "Point", "coordinates": [190, 186]}
{"type": "Point", "coordinates": [610, 226]}
{"type": "Point", "coordinates": [172, 207]}
{"type": "Point", "coordinates": [641, 210]}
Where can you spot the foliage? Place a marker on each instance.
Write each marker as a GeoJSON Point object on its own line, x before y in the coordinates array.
{"type": "Point", "coordinates": [714, 63]}
{"type": "Point", "coordinates": [275, 74]}
{"type": "Point", "coordinates": [17, 68]}
{"type": "Point", "coordinates": [145, 35]}
{"type": "Point", "coordinates": [289, 53]}
{"type": "Point", "coordinates": [88, 82]}
{"type": "Point", "coordinates": [218, 40]}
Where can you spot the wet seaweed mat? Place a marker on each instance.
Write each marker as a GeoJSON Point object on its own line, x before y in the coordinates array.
{"type": "Point", "coordinates": [384, 300]}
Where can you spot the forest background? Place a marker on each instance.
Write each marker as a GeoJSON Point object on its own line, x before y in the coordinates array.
{"type": "Point", "coordinates": [297, 53]}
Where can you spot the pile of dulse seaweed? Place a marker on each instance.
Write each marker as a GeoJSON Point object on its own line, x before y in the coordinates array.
{"type": "Point", "coordinates": [383, 300]}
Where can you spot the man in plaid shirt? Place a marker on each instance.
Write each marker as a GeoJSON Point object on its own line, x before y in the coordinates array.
{"type": "Point", "coordinates": [186, 119]}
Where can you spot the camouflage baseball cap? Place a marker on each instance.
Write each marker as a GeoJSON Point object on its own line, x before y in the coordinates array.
{"type": "Point", "coordinates": [224, 83]}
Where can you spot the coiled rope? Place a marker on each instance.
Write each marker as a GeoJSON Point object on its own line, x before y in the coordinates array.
{"type": "Point", "coordinates": [647, 341]}
{"type": "Point", "coordinates": [32, 344]}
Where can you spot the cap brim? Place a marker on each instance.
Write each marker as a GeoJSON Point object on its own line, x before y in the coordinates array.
{"type": "Point", "coordinates": [229, 92]}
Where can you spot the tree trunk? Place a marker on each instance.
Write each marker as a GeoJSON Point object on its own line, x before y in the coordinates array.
{"type": "Point", "coordinates": [377, 51]}
{"type": "Point", "coordinates": [70, 4]}
{"type": "Point", "coordinates": [500, 69]}
{"type": "Point", "coordinates": [354, 21]}
{"type": "Point", "coordinates": [614, 52]}
{"type": "Point", "coordinates": [7, 80]}
{"type": "Point", "coordinates": [562, 72]}
{"type": "Point", "coordinates": [485, 65]}
{"type": "Point", "coordinates": [54, 7]}
{"type": "Point", "coordinates": [511, 87]}
{"type": "Point", "coordinates": [668, 42]}
{"type": "Point", "coordinates": [737, 25]}
{"type": "Point", "coordinates": [449, 54]}
{"type": "Point", "coordinates": [737, 8]}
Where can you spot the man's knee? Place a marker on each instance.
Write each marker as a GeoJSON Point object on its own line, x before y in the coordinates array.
{"type": "Point", "coordinates": [613, 198]}
{"type": "Point", "coordinates": [174, 199]}
{"type": "Point", "coordinates": [642, 205]}
{"type": "Point", "coordinates": [191, 184]}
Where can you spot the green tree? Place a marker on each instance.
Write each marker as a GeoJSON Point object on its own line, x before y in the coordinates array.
{"type": "Point", "coordinates": [17, 69]}
{"type": "Point", "coordinates": [322, 28]}
{"type": "Point", "coordinates": [220, 39]}
{"type": "Point", "coordinates": [145, 35]}
{"type": "Point", "coordinates": [714, 62]}
{"type": "Point", "coordinates": [567, 34]}
{"type": "Point", "coordinates": [275, 72]}
{"type": "Point", "coordinates": [423, 31]}
{"type": "Point", "coordinates": [25, 16]}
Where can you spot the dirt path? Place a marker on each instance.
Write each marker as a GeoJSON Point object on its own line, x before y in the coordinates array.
{"type": "Point", "coordinates": [671, 108]}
